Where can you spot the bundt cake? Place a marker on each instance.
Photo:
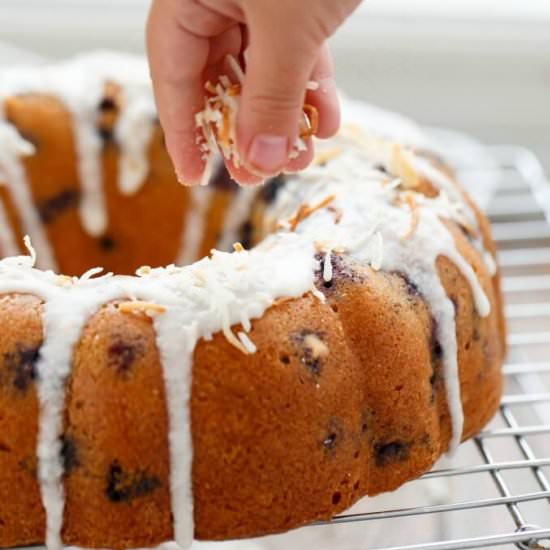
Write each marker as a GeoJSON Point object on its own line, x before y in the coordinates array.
{"type": "Point", "coordinates": [354, 334]}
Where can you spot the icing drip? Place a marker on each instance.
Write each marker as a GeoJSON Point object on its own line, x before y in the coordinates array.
{"type": "Point", "coordinates": [193, 227]}
{"type": "Point", "coordinates": [60, 317]}
{"type": "Point", "coordinates": [176, 344]}
{"type": "Point", "coordinates": [80, 84]}
{"type": "Point", "coordinates": [12, 173]}
{"type": "Point", "coordinates": [133, 133]}
{"type": "Point", "coordinates": [93, 212]}
{"type": "Point", "coordinates": [192, 302]}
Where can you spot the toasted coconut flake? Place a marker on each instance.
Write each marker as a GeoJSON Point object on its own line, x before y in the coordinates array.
{"type": "Point", "coordinates": [143, 271]}
{"type": "Point", "coordinates": [312, 116]}
{"type": "Point", "coordinates": [236, 68]}
{"type": "Point", "coordinates": [137, 306]}
{"type": "Point", "coordinates": [234, 90]}
{"type": "Point", "coordinates": [30, 248]}
{"type": "Point", "coordinates": [401, 165]}
{"type": "Point", "coordinates": [216, 123]}
{"type": "Point", "coordinates": [223, 134]}
{"type": "Point", "coordinates": [415, 215]}
{"type": "Point", "coordinates": [305, 210]}
{"type": "Point", "coordinates": [209, 87]}
{"type": "Point", "coordinates": [238, 247]}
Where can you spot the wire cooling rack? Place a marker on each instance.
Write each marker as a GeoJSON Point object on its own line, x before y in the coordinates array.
{"type": "Point", "coordinates": [496, 493]}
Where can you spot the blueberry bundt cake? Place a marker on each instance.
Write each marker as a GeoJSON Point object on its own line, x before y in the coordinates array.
{"type": "Point", "coordinates": [352, 336]}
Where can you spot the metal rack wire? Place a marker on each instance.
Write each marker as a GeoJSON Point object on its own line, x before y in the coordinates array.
{"type": "Point", "coordinates": [509, 501]}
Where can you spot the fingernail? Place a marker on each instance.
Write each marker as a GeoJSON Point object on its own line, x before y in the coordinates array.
{"type": "Point", "coordinates": [268, 154]}
{"type": "Point", "coordinates": [184, 181]}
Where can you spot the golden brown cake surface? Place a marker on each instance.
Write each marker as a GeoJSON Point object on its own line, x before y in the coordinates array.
{"type": "Point", "coordinates": [338, 388]}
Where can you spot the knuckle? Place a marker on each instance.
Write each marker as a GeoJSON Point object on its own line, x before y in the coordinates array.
{"type": "Point", "coordinates": [275, 104]}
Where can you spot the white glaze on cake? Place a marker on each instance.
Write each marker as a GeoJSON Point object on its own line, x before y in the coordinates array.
{"type": "Point", "coordinates": [80, 84]}
{"type": "Point", "coordinates": [371, 230]}
{"type": "Point", "coordinates": [12, 175]}
{"type": "Point", "coordinates": [133, 133]}
{"type": "Point", "coordinates": [198, 301]}
{"type": "Point", "coordinates": [215, 293]}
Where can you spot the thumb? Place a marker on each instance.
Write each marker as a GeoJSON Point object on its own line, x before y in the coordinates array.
{"type": "Point", "coordinates": [280, 60]}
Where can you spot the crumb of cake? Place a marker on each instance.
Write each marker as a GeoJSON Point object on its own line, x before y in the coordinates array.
{"type": "Point", "coordinates": [316, 346]}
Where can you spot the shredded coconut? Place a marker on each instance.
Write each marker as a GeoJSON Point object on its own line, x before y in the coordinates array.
{"type": "Point", "coordinates": [247, 342]}
{"type": "Point", "coordinates": [415, 215]}
{"type": "Point", "coordinates": [305, 210]}
{"type": "Point", "coordinates": [30, 248]}
{"type": "Point", "coordinates": [327, 267]}
{"type": "Point", "coordinates": [217, 122]}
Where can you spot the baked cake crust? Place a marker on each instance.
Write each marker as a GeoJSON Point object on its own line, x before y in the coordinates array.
{"type": "Point", "coordinates": [327, 377]}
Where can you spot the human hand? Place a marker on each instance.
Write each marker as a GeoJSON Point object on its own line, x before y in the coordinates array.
{"type": "Point", "coordinates": [188, 42]}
